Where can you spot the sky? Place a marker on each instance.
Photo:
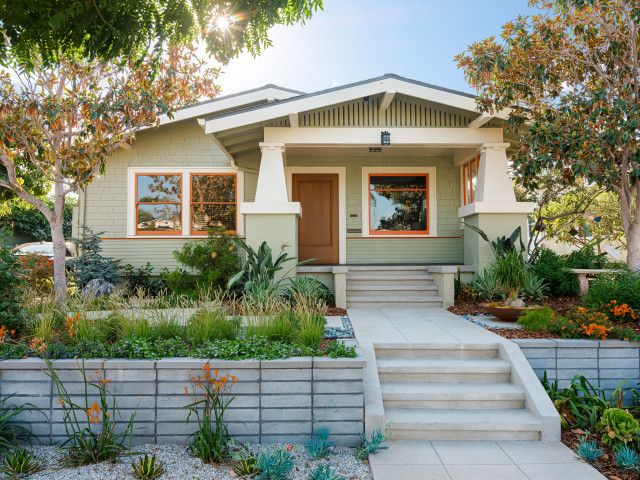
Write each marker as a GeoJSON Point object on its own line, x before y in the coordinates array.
{"type": "Point", "coordinates": [353, 40]}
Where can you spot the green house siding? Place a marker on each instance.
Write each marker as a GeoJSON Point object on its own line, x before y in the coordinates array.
{"type": "Point", "coordinates": [139, 251]}
{"type": "Point", "coordinates": [447, 247]}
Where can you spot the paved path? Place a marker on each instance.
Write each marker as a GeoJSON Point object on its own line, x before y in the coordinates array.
{"type": "Point", "coordinates": [456, 460]}
{"type": "Point", "coordinates": [453, 460]}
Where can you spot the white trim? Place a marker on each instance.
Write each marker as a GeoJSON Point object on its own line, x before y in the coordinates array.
{"type": "Point", "coordinates": [366, 136]}
{"type": "Point", "coordinates": [480, 120]}
{"type": "Point", "coordinates": [186, 196]}
{"type": "Point", "coordinates": [270, 208]}
{"type": "Point", "coordinates": [342, 201]}
{"type": "Point", "coordinates": [433, 206]}
{"type": "Point", "coordinates": [387, 98]}
{"type": "Point", "coordinates": [496, 207]}
{"type": "Point", "coordinates": [332, 97]}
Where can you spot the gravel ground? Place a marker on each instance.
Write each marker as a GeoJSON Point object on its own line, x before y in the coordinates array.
{"type": "Point", "coordinates": [181, 465]}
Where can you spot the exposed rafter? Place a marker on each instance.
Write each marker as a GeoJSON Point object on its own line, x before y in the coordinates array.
{"type": "Point", "coordinates": [293, 119]}
{"type": "Point", "coordinates": [480, 121]}
{"type": "Point", "coordinates": [387, 98]}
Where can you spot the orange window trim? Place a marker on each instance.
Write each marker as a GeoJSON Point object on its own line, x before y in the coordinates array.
{"type": "Point", "coordinates": [467, 179]}
{"type": "Point", "coordinates": [192, 203]}
{"type": "Point", "coordinates": [160, 232]}
{"type": "Point", "coordinates": [373, 231]}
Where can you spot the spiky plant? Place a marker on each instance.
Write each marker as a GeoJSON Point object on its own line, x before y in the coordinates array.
{"type": "Point", "coordinates": [324, 472]}
{"type": "Point", "coordinates": [369, 446]}
{"type": "Point", "coordinates": [275, 465]}
{"type": "Point", "coordinates": [588, 450]}
{"type": "Point", "coordinates": [18, 463]}
{"type": "Point", "coordinates": [245, 462]}
{"type": "Point", "coordinates": [319, 446]}
{"type": "Point", "coordinates": [626, 458]}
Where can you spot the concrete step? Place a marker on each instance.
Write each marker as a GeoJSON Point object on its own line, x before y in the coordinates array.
{"type": "Point", "coordinates": [454, 370]}
{"type": "Point", "coordinates": [452, 396]}
{"type": "Point", "coordinates": [427, 424]}
{"type": "Point", "coordinates": [436, 350]}
{"type": "Point", "coordinates": [387, 268]}
{"type": "Point", "coordinates": [405, 302]}
{"type": "Point", "coordinates": [389, 277]}
{"type": "Point", "coordinates": [391, 289]}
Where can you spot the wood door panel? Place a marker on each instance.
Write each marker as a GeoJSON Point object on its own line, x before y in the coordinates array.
{"type": "Point", "coordinates": [318, 225]}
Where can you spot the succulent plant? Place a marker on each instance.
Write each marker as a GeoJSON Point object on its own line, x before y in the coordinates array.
{"type": "Point", "coordinates": [275, 465]}
{"type": "Point", "coordinates": [147, 468]}
{"type": "Point", "coordinates": [626, 458]}
{"type": "Point", "coordinates": [588, 450]}
{"type": "Point", "coordinates": [618, 427]}
{"type": "Point", "coordinates": [319, 446]}
{"type": "Point", "coordinates": [245, 462]}
{"type": "Point", "coordinates": [20, 462]}
{"type": "Point", "coordinates": [369, 446]}
{"type": "Point", "coordinates": [324, 472]}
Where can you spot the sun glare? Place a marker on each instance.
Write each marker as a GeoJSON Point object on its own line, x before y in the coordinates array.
{"type": "Point", "coordinates": [222, 22]}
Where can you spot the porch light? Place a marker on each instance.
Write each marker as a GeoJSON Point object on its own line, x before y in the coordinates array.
{"type": "Point", "coordinates": [385, 138]}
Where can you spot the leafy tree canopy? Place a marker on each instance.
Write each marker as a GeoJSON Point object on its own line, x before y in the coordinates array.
{"type": "Point", "coordinates": [111, 28]}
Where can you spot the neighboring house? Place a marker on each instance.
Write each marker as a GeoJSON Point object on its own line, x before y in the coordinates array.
{"type": "Point", "coordinates": [379, 172]}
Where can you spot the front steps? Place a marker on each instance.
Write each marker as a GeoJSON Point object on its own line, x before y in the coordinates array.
{"type": "Point", "coordinates": [391, 286]}
{"type": "Point", "coordinates": [452, 392]}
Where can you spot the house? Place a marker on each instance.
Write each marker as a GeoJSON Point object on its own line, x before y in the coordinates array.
{"type": "Point", "coordinates": [372, 179]}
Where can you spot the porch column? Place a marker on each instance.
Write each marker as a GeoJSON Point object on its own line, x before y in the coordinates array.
{"type": "Point", "coordinates": [494, 209]}
{"type": "Point", "coordinates": [271, 217]}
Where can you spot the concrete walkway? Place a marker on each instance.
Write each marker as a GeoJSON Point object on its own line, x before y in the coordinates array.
{"type": "Point", "coordinates": [455, 460]}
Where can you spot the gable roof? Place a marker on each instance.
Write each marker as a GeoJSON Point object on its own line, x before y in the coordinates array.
{"type": "Point", "coordinates": [389, 83]}
{"type": "Point", "coordinates": [228, 103]}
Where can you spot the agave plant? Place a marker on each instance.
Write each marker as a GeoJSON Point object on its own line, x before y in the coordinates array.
{"type": "Point", "coordinates": [147, 468]}
{"type": "Point", "coordinates": [19, 463]}
{"type": "Point", "coordinates": [504, 245]}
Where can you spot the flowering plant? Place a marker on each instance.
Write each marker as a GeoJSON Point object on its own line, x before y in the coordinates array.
{"type": "Point", "coordinates": [90, 427]}
{"type": "Point", "coordinates": [621, 312]}
{"type": "Point", "coordinates": [209, 400]}
{"type": "Point", "coordinates": [592, 324]}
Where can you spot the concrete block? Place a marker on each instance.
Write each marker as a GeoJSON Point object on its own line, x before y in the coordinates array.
{"type": "Point", "coordinates": [286, 401]}
{"type": "Point", "coordinates": [73, 364]}
{"type": "Point", "coordinates": [337, 374]}
{"type": "Point", "coordinates": [543, 343]}
{"type": "Point", "coordinates": [337, 401]}
{"type": "Point", "coordinates": [568, 374]}
{"type": "Point", "coordinates": [577, 352]}
{"type": "Point", "coordinates": [292, 362]}
{"type": "Point", "coordinates": [619, 363]}
{"type": "Point", "coordinates": [578, 363]}
{"type": "Point", "coordinates": [327, 362]}
{"type": "Point", "coordinates": [243, 428]}
{"type": "Point", "coordinates": [542, 363]}
{"type": "Point", "coordinates": [131, 375]}
{"type": "Point", "coordinates": [26, 388]}
{"type": "Point", "coordinates": [341, 428]}
{"type": "Point", "coordinates": [125, 364]}
{"type": "Point", "coordinates": [176, 428]}
{"type": "Point", "coordinates": [286, 428]}
{"type": "Point", "coordinates": [30, 363]}
{"type": "Point", "coordinates": [620, 373]}
{"type": "Point", "coordinates": [338, 414]}
{"type": "Point", "coordinates": [132, 388]}
{"type": "Point", "coordinates": [619, 352]}
{"type": "Point", "coordinates": [24, 376]}
{"type": "Point", "coordinates": [539, 352]}
{"type": "Point", "coordinates": [286, 414]}
{"type": "Point", "coordinates": [286, 374]}
{"type": "Point", "coordinates": [338, 387]}
{"type": "Point", "coordinates": [285, 438]}
{"type": "Point", "coordinates": [285, 387]}
{"type": "Point", "coordinates": [175, 375]}
{"type": "Point", "coordinates": [177, 388]}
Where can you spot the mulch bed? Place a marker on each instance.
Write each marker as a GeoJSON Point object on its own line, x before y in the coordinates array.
{"type": "Point", "coordinates": [559, 304]}
{"type": "Point", "coordinates": [335, 312]}
{"type": "Point", "coordinates": [515, 333]}
{"type": "Point", "coordinates": [605, 464]}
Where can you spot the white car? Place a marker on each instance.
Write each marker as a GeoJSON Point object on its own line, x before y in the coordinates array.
{"type": "Point", "coordinates": [41, 248]}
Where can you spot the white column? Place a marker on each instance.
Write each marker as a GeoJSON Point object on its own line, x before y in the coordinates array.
{"type": "Point", "coordinates": [494, 184]}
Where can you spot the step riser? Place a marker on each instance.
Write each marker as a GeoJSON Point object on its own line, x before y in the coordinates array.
{"type": "Point", "coordinates": [388, 273]}
{"type": "Point", "coordinates": [471, 377]}
{"type": "Point", "coordinates": [460, 404]}
{"type": "Point", "coordinates": [404, 281]}
{"type": "Point", "coordinates": [426, 353]}
{"type": "Point", "coordinates": [444, 434]}
{"type": "Point", "coordinates": [394, 304]}
{"type": "Point", "coordinates": [392, 293]}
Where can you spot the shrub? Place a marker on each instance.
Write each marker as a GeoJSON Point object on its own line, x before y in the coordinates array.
{"type": "Point", "coordinates": [534, 288]}
{"type": "Point", "coordinates": [487, 287]}
{"type": "Point", "coordinates": [510, 272]}
{"type": "Point", "coordinates": [552, 268]}
{"type": "Point", "coordinates": [618, 427]}
{"type": "Point", "coordinates": [20, 463]}
{"type": "Point", "coordinates": [210, 263]}
{"type": "Point", "coordinates": [324, 472]}
{"type": "Point", "coordinates": [580, 404]}
{"type": "Point", "coordinates": [147, 468]}
{"type": "Point", "coordinates": [308, 288]}
{"type": "Point", "coordinates": [626, 458]}
{"type": "Point", "coordinates": [275, 465]}
{"type": "Point", "coordinates": [12, 289]}
{"type": "Point", "coordinates": [90, 263]}
{"type": "Point", "coordinates": [94, 439]}
{"type": "Point", "coordinates": [210, 442]}
{"type": "Point", "coordinates": [588, 450]}
{"type": "Point", "coordinates": [142, 278]}
{"type": "Point", "coordinates": [208, 325]}
{"type": "Point", "coordinates": [622, 287]}
{"type": "Point", "coordinates": [319, 446]}
{"type": "Point", "coordinates": [371, 445]}
{"type": "Point", "coordinates": [537, 320]}
{"type": "Point", "coordinates": [38, 272]}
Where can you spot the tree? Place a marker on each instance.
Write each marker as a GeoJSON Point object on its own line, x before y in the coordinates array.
{"type": "Point", "coordinates": [571, 79]}
{"type": "Point", "coordinates": [65, 120]}
{"type": "Point", "coordinates": [109, 29]}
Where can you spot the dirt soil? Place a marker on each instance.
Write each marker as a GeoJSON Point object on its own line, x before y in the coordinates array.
{"type": "Point", "coordinates": [606, 464]}
{"type": "Point", "coordinates": [559, 304]}
{"type": "Point", "coordinates": [335, 312]}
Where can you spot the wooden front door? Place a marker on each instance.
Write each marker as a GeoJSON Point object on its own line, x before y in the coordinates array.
{"type": "Point", "coordinates": [318, 225]}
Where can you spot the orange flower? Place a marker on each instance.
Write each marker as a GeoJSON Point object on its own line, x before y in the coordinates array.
{"type": "Point", "coordinates": [104, 381]}
{"type": "Point", "coordinates": [3, 333]}
{"type": "Point", "coordinates": [38, 345]}
{"type": "Point", "coordinates": [72, 324]}
{"type": "Point", "coordinates": [93, 413]}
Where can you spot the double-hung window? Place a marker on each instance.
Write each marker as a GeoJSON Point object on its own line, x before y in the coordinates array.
{"type": "Point", "coordinates": [213, 202]}
{"type": "Point", "coordinates": [398, 204]}
{"type": "Point", "coordinates": [470, 180]}
{"type": "Point", "coordinates": [159, 204]}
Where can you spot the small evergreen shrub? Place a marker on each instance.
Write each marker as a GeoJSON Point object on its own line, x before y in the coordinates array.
{"type": "Point", "coordinates": [626, 458]}
{"type": "Point", "coordinates": [142, 279]}
{"type": "Point", "coordinates": [552, 268]}
{"type": "Point", "coordinates": [623, 288]}
{"type": "Point", "coordinates": [588, 450]}
{"type": "Point", "coordinates": [537, 320]}
{"type": "Point", "coordinates": [12, 284]}
{"type": "Point", "coordinates": [38, 272]}
{"type": "Point", "coordinates": [90, 263]}
{"type": "Point", "coordinates": [319, 446]}
{"type": "Point", "coordinates": [275, 465]}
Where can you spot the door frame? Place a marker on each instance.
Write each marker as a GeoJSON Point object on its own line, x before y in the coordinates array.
{"type": "Point", "coordinates": [342, 207]}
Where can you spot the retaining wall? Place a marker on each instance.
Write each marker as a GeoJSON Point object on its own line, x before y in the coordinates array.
{"type": "Point", "coordinates": [275, 400]}
{"type": "Point", "coordinates": [606, 364]}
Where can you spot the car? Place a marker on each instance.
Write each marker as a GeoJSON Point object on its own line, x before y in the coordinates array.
{"type": "Point", "coordinates": [42, 248]}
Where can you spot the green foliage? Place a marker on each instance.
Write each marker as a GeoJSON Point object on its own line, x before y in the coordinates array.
{"type": "Point", "coordinates": [129, 327]}
{"type": "Point", "coordinates": [110, 29]}
{"type": "Point", "coordinates": [281, 327]}
{"type": "Point", "coordinates": [209, 264]}
{"type": "Point", "coordinates": [338, 349]}
{"type": "Point", "coordinates": [210, 442]}
{"type": "Point", "coordinates": [588, 450]}
{"type": "Point", "coordinates": [510, 271]}
{"type": "Point", "coordinates": [90, 263]}
{"type": "Point", "coordinates": [275, 465]}
{"type": "Point", "coordinates": [622, 287]}
{"type": "Point", "coordinates": [147, 468]}
{"type": "Point", "coordinates": [245, 462]}
{"type": "Point", "coordinates": [324, 472]}
{"type": "Point", "coordinates": [537, 320]}
{"type": "Point", "coordinates": [207, 325]}
{"type": "Point", "coordinates": [311, 330]}
{"type": "Point", "coordinates": [502, 246]}
{"type": "Point", "coordinates": [370, 446]}
{"type": "Point", "coordinates": [485, 284]}
{"type": "Point", "coordinates": [38, 272]}
{"type": "Point", "coordinates": [12, 285]}
{"type": "Point", "coordinates": [166, 329]}
{"type": "Point", "coordinates": [618, 427]}
{"type": "Point", "coordinates": [142, 278]}
{"type": "Point", "coordinates": [11, 432]}
{"type": "Point", "coordinates": [308, 288]}
{"type": "Point", "coordinates": [20, 463]}
{"type": "Point", "coordinates": [319, 446]}
{"type": "Point", "coordinates": [626, 458]}
{"type": "Point", "coordinates": [580, 404]}
{"type": "Point", "coordinates": [90, 427]}
{"type": "Point", "coordinates": [28, 223]}
{"type": "Point", "coordinates": [553, 269]}
{"type": "Point", "coordinates": [534, 287]}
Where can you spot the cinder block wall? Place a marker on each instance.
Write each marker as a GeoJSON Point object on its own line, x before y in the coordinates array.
{"type": "Point", "coordinates": [606, 364]}
{"type": "Point", "coordinates": [274, 401]}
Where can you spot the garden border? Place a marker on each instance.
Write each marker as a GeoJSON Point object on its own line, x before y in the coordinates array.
{"type": "Point", "coordinates": [283, 401]}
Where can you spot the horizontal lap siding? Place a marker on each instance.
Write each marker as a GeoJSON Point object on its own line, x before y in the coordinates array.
{"type": "Point", "coordinates": [447, 249]}
{"type": "Point", "coordinates": [137, 252]}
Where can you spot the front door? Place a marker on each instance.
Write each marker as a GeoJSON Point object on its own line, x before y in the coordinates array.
{"type": "Point", "coordinates": [318, 225]}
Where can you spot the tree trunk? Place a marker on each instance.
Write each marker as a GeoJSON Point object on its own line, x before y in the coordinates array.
{"type": "Point", "coordinates": [633, 247]}
{"type": "Point", "coordinates": [59, 246]}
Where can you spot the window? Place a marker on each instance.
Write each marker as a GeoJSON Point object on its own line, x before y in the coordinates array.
{"type": "Point", "coordinates": [398, 203]}
{"type": "Point", "coordinates": [469, 180]}
{"type": "Point", "coordinates": [159, 204]}
{"type": "Point", "coordinates": [213, 202]}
